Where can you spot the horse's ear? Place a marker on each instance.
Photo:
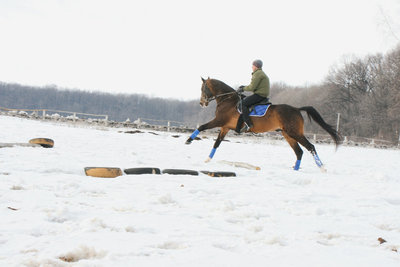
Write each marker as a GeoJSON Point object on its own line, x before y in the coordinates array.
{"type": "Point", "coordinates": [202, 79]}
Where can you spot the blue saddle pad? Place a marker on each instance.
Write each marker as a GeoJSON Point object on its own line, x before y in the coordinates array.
{"type": "Point", "coordinates": [259, 110]}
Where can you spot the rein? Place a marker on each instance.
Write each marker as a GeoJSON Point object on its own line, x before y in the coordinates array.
{"type": "Point", "coordinates": [216, 96]}
{"type": "Point", "coordinates": [209, 99]}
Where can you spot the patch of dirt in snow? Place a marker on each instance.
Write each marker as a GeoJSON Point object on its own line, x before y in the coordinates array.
{"type": "Point", "coordinates": [82, 253]}
{"type": "Point", "coordinates": [172, 245]}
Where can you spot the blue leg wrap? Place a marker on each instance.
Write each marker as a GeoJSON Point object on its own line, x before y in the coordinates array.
{"type": "Point", "coordinates": [297, 165]}
{"type": "Point", "coordinates": [194, 134]}
{"type": "Point", "coordinates": [317, 160]}
{"type": "Point", "coordinates": [212, 153]}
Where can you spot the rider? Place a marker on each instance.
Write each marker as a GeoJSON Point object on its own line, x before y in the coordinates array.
{"type": "Point", "coordinates": [259, 86]}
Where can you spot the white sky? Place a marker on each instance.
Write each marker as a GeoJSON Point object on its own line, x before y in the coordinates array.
{"type": "Point", "coordinates": [161, 48]}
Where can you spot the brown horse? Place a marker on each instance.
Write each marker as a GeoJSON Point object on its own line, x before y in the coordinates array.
{"type": "Point", "coordinates": [284, 118]}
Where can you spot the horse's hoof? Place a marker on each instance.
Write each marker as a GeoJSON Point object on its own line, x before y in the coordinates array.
{"type": "Point", "coordinates": [207, 160]}
{"type": "Point", "coordinates": [188, 142]}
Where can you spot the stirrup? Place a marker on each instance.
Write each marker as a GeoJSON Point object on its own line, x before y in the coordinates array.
{"type": "Point", "coordinates": [245, 128]}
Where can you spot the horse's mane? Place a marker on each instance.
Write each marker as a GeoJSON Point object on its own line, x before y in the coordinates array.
{"type": "Point", "coordinates": [220, 86]}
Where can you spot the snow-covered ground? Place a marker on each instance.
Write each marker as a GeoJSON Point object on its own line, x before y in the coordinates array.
{"type": "Point", "coordinates": [51, 214]}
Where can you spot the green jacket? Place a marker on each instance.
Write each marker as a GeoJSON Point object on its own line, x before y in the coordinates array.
{"type": "Point", "coordinates": [259, 83]}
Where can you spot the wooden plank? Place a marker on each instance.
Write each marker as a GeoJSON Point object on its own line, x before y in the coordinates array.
{"type": "Point", "coordinates": [2, 145]}
{"type": "Point", "coordinates": [240, 164]}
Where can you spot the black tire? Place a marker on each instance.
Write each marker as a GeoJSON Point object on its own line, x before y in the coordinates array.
{"type": "Point", "coordinates": [103, 172]}
{"type": "Point", "coordinates": [136, 171]}
{"type": "Point", "coordinates": [44, 142]}
{"type": "Point", "coordinates": [219, 174]}
{"type": "Point", "coordinates": [180, 172]}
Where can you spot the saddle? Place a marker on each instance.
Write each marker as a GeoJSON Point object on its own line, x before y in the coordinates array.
{"type": "Point", "coordinates": [258, 109]}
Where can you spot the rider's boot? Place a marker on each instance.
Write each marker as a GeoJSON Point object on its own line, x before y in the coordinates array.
{"type": "Point", "coordinates": [247, 122]}
{"type": "Point", "coordinates": [239, 124]}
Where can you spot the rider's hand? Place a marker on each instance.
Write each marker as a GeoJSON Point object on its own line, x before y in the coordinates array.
{"type": "Point", "coordinates": [241, 89]}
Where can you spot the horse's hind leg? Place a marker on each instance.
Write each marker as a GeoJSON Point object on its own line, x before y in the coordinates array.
{"type": "Point", "coordinates": [296, 148]}
{"type": "Point", "coordinates": [310, 147]}
{"type": "Point", "coordinates": [296, 131]}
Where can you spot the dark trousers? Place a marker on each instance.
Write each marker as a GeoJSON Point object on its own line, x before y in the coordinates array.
{"type": "Point", "coordinates": [246, 103]}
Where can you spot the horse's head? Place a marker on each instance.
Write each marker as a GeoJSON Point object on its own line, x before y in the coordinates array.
{"type": "Point", "coordinates": [206, 94]}
{"type": "Point", "coordinates": [213, 89]}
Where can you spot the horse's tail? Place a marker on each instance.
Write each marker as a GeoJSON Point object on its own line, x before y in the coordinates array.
{"type": "Point", "coordinates": [313, 114]}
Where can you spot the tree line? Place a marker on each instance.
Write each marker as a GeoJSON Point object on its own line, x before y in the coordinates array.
{"type": "Point", "coordinates": [118, 107]}
{"type": "Point", "coordinates": [365, 91]}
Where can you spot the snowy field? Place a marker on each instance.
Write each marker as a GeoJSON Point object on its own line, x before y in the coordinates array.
{"type": "Point", "coordinates": [52, 214]}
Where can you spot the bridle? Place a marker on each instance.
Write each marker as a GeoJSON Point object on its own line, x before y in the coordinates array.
{"type": "Point", "coordinates": [214, 97]}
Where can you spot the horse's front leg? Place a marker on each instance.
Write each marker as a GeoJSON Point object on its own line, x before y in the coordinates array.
{"type": "Point", "coordinates": [209, 125]}
{"type": "Point", "coordinates": [221, 136]}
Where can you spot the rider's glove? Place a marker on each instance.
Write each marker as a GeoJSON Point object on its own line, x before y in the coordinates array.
{"type": "Point", "coordinates": [241, 89]}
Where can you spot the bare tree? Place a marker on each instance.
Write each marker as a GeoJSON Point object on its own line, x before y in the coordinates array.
{"type": "Point", "coordinates": [348, 87]}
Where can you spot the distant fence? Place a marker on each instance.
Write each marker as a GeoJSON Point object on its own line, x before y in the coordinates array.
{"type": "Point", "coordinates": [168, 125]}
{"type": "Point", "coordinates": [51, 112]}
{"type": "Point", "coordinates": [352, 140]}
{"type": "Point", "coordinates": [78, 116]}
